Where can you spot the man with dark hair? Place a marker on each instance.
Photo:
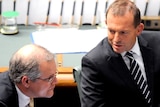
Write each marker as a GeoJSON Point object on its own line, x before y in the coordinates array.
{"type": "Point", "coordinates": [123, 70]}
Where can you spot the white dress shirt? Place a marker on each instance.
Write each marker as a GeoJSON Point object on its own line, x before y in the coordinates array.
{"type": "Point", "coordinates": [137, 56]}
{"type": "Point", "coordinates": [23, 99]}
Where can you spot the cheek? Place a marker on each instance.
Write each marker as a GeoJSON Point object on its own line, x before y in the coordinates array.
{"type": "Point", "coordinates": [110, 37]}
{"type": "Point", "coordinates": [46, 91]}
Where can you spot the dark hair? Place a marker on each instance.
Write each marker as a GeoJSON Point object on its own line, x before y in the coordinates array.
{"type": "Point", "coordinates": [120, 7]}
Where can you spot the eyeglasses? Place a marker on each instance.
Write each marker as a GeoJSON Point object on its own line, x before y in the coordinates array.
{"type": "Point", "coordinates": [50, 78]}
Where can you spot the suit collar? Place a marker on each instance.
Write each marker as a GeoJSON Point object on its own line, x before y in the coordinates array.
{"type": "Point", "coordinates": [115, 60]}
{"type": "Point", "coordinates": [117, 63]}
{"type": "Point", "coordinates": [147, 55]}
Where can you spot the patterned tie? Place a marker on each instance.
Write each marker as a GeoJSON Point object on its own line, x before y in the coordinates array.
{"type": "Point", "coordinates": [138, 77]}
{"type": "Point", "coordinates": [31, 103]}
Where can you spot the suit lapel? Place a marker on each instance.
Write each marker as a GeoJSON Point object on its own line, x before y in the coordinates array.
{"type": "Point", "coordinates": [121, 69]}
{"type": "Point", "coordinates": [116, 61]}
{"type": "Point", "coordinates": [148, 64]}
{"type": "Point", "coordinates": [118, 65]}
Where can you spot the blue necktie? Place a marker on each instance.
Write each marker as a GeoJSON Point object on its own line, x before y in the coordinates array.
{"type": "Point", "coordinates": [138, 77]}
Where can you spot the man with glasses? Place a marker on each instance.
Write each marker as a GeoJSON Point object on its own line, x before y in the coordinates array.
{"type": "Point", "coordinates": [32, 74]}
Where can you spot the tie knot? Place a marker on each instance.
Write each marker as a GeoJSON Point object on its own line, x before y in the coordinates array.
{"type": "Point", "coordinates": [129, 54]}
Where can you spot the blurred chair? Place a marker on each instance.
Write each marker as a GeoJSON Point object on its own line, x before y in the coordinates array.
{"type": "Point", "coordinates": [76, 75]}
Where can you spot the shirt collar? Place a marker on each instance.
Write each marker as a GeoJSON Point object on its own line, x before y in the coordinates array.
{"type": "Point", "coordinates": [23, 99]}
{"type": "Point", "coordinates": [135, 49]}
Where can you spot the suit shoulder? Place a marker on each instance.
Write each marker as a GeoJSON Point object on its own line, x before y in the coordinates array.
{"type": "Point", "coordinates": [99, 52]}
{"type": "Point", "coordinates": [7, 87]}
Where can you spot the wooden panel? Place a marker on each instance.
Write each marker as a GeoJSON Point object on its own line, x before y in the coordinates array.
{"type": "Point", "coordinates": [65, 70]}
{"type": "Point", "coordinates": [3, 69]}
{"type": "Point", "coordinates": [59, 59]}
{"type": "Point", "coordinates": [150, 17]}
{"type": "Point", "coordinates": [66, 80]}
{"type": "Point", "coordinates": [62, 70]}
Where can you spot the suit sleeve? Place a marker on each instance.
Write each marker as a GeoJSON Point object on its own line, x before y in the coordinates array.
{"type": "Point", "coordinates": [91, 84]}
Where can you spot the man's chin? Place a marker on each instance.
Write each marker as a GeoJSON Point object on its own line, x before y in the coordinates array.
{"type": "Point", "coordinates": [50, 94]}
{"type": "Point", "coordinates": [117, 51]}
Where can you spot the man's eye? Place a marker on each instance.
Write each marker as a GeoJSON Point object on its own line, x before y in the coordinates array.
{"type": "Point", "coordinates": [123, 33]}
{"type": "Point", "coordinates": [111, 31]}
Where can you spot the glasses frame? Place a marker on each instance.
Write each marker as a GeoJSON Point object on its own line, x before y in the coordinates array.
{"type": "Point", "coordinates": [51, 78]}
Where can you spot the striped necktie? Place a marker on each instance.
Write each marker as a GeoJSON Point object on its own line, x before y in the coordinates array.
{"type": "Point", "coordinates": [138, 77]}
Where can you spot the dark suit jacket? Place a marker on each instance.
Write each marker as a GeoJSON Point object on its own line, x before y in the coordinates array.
{"type": "Point", "coordinates": [106, 81]}
{"type": "Point", "coordinates": [8, 93]}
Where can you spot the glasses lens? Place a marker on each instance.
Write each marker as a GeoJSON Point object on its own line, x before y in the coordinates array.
{"type": "Point", "coordinates": [49, 79]}
{"type": "Point", "coordinates": [53, 77]}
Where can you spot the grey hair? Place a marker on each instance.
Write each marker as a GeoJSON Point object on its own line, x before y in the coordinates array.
{"type": "Point", "coordinates": [21, 65]}
{"type": "Point", "coordinates": [120, 7]}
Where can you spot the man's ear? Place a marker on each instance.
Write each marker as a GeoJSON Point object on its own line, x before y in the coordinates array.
{"type": "Point", "coordinates": [25, 81]}
{"type": "Point", "coordinates": [140, 28]}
